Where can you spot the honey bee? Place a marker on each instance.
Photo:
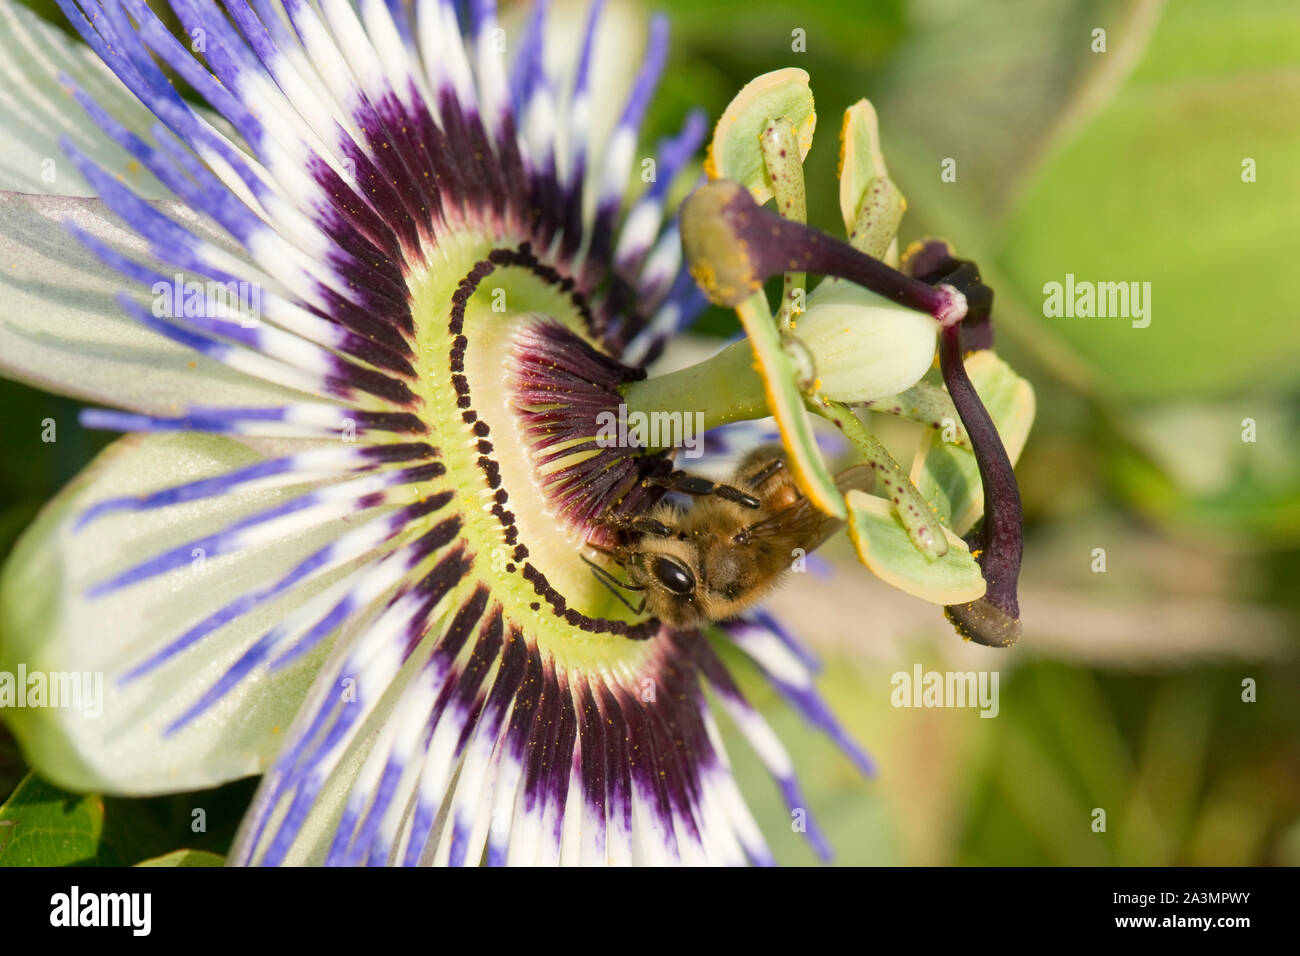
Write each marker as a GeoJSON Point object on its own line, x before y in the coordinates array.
{"type": "Point", "coordinates": [711, 561]}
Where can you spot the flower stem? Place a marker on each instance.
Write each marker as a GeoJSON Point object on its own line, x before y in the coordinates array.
{"type": "Point", "coordinates": [725, 388]}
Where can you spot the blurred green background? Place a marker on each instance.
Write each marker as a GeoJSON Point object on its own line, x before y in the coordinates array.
{"type": "Point", "coordinates": [1125, 693]}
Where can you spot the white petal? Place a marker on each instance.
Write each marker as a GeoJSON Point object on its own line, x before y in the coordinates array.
{"type": "Point", "coordinates": [61, 329]}
{"type": "Point", "coordinates": [47, 624]}
{"type": "Point", "coordinates": [36, 110]}
{"type": "Point", "coordinates": [616, 57]}
{"type": "Point", "coordinates": [312, 843]}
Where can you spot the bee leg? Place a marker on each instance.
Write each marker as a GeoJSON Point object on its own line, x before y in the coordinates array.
{"type": "Point", "coordinates": [760, 477]}
{"type": "Point", "coordinates": [607, 552]}
{"type": "Point", "coordinates": [680, 481]}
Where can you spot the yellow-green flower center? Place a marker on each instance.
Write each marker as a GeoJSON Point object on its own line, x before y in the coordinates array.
{"type": "Point", "coordinates": [472, 313]}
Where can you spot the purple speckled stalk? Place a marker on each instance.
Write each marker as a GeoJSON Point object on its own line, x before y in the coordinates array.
{"type": "Point", "coordinates": [994, 619]}
{"type": "Point", "coordinates": [734, 245]}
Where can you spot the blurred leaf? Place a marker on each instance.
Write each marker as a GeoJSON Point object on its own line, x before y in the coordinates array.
{"type": "Point", "coordinates": [987, 85]}
{"type": "Point", "coordinates": [1152, 191]}
{"type": "Point", "coordinates": [52, 827]}
{"type": "Point", "coordinates": [12, 766]}
{"type": "Point", "coordinates": [761, 35]}
{"type": "Point", "coordinates": [42, 825]}
{"type": "Point", "coordinates": [1166, 791]}
{"type": "Point", "coordinates": [1226, 469]}
{"type": "Point", "coordinates": [185, 858]}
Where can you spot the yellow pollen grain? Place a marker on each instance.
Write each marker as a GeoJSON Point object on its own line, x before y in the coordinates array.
{"type": "Point", "coordinates": [710, 166]}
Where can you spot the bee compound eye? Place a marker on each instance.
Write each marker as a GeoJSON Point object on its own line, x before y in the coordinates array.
{"type": "Point", "coordinates": [674, 575]}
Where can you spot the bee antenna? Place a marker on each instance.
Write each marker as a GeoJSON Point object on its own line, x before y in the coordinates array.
{"type": "Point", "coordinates": [613, 584]}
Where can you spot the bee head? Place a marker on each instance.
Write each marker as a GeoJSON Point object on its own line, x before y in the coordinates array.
{"type": "Point", "coordinates": [673, 574]}
{"type": "Point", "coordinates": [666, 569]}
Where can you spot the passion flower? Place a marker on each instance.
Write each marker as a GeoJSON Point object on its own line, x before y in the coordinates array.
{"type": "Point", "coordinates": [380, 295]}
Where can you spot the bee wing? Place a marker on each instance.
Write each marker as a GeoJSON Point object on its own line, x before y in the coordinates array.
{"type": "Point", "coordinates": [803, 523]}
{"type": "Point", "coordinates": [799, 519]}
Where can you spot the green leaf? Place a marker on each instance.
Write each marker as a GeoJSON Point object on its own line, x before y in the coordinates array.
{"type": "Point", "coordinates": [884, 547]}
{"type": "Point", "coordinates": [185, 858]}
{"type": "Point", "coordinates": [1151, 190]}
{"type": "Point", "coordinates": [1194, 468]}
{"type": "Point", "coordinates": [41, 825]}
{"type": "Point", "coordinates": [948, 475]}
{"type": "Point", "coordinates": [787, 404]}
{"type": "Point", "coordinates": [734, 153]}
